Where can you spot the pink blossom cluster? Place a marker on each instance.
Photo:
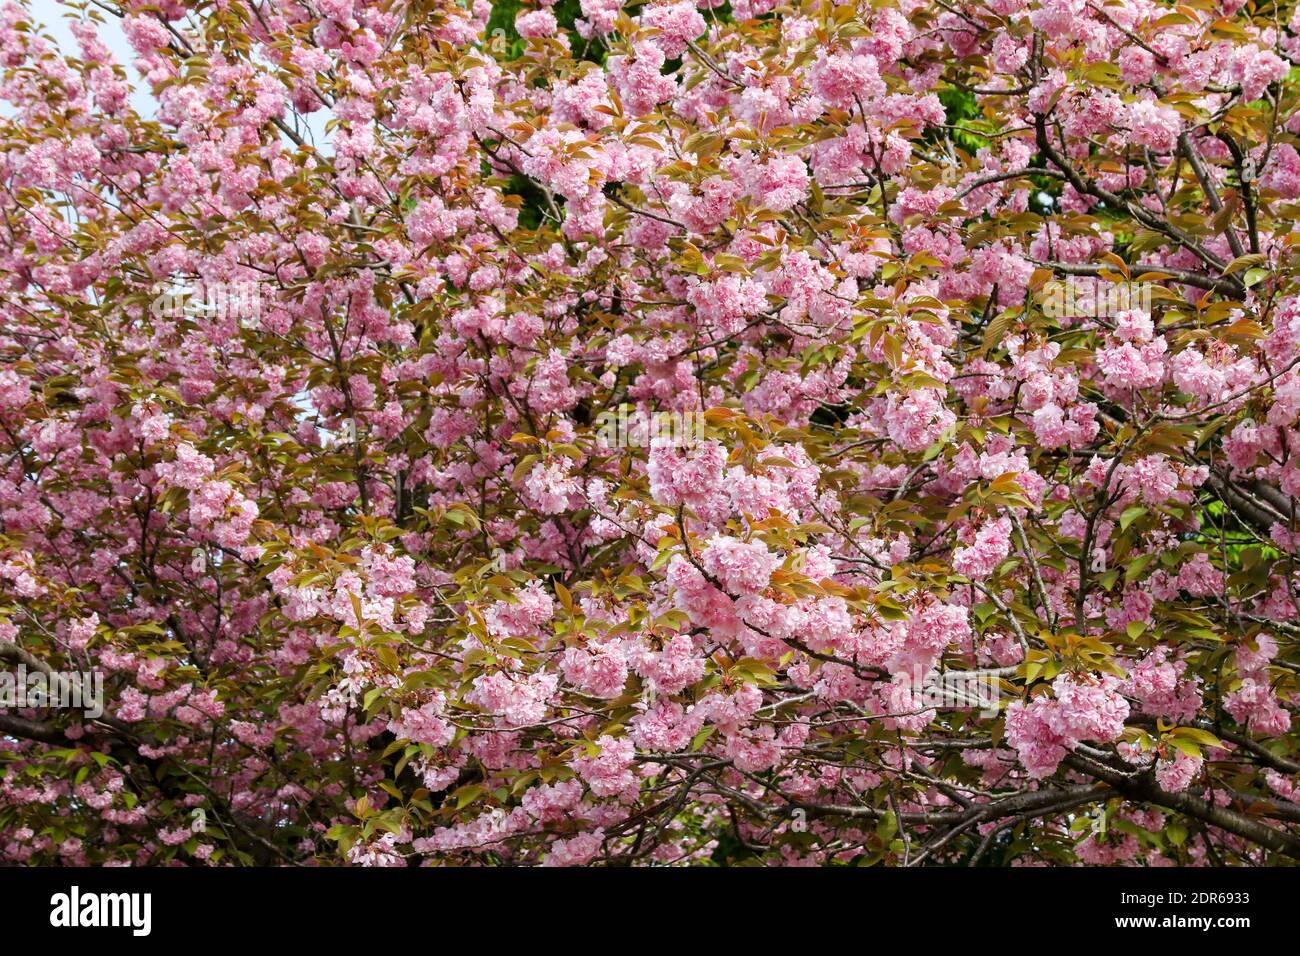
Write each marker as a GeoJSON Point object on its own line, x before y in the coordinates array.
{"type": "Point", "coordinates": [1045, 730]}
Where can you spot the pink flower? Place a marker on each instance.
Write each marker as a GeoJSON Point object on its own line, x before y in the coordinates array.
{"type": "Point", "coordinates": [609, 772]}
{"type": "Point", "coordinates": [640, 84]}
{"type": "Point", "coordinates": [431, 220]}
{"type": "Point", "coordinates": [1046, 729]}
{"type": "Point", "coordinates": [677, 23]}
{"type": "Point", "coordinates": [1176, 774]}
{"type": "Point", "coordinates": [599, 671]}
{"type": "Point", "coordinates": [1154, 125]}
{"type": "Point", "coordinates": [923, 638]}
{"type": "Point", "coordinates": [742, 567]}
{"type": "Point", "coordinates": [754, 753]}
{"type": "Point", "coordinates": [518, 700]}
{"type": "Point", "coordinates": [916, 421]}
{"type": "Point", "coordinates": [1127, 366]}
{"type": "Point", "coordinates": [1254, 69]}
{"type": "Point", "coordinates": [1088, 710]}
{"type": "Point", "coordinates": [1254, 702]}
{"type": "Point", "coordinates": [1199, 577]}
{"type": "Point", "coordinates": [188, 469]}
{"type": "Point", "coordinates": [990, 548]}
{"type": "Point", "coordinates": [779, 183]}
{"type": "Point", "coordinates": [536, 23]}
{"type": "Point", "coordinates": [845, 79]}
{"type": "Point", "coordinates": [1136, 65]}
{"type": "Point", "coordinates": [666, 726]}
{"type": "Point", "coordinates": [549, 487]}
{"type": "Point", "coordinates": [690, 476]}
{"type": "Point", "coordinates": [1054, 429]}
{"type": "Point", "coordinates": [1158, 685]}
{"type": "Point", "coordinates": [1282, 174]}
{"type": "Point", "coordinates": [575, 851]}
{"type": "Point", "coordinates": [1133, 325]}
{"type": "Point", "coordinates": [424, 725]}
{"type": "Point", "coordinates": [531, 608]}
{"type": "Point", "coordinates": [600, 16]}
{"type": "Point", "coordinates": [1040, 749]}
{"type": "Point", "coordinates": [552, 801]}
{"type": "Point", "coordinates": [672, 669]}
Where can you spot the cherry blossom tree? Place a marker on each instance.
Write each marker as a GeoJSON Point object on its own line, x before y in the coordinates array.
{"type": "Point", "coordinates": [332, 396]}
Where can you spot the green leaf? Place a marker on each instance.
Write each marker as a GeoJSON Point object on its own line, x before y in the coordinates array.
{"type": "Point", "coordinates": [1130, 515]}
{"type": "Point", "coordinates": [1176, 833]}
{"type": "Point", "coordinates": [468, 794]}
{"type": "Point", "coordinates": [698, 740]}
{"type": "Point", "coordinates": [887, 826]}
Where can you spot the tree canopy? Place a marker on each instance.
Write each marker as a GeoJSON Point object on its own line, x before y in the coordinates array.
{"type": "Point", "coordinates": [586, 434]}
